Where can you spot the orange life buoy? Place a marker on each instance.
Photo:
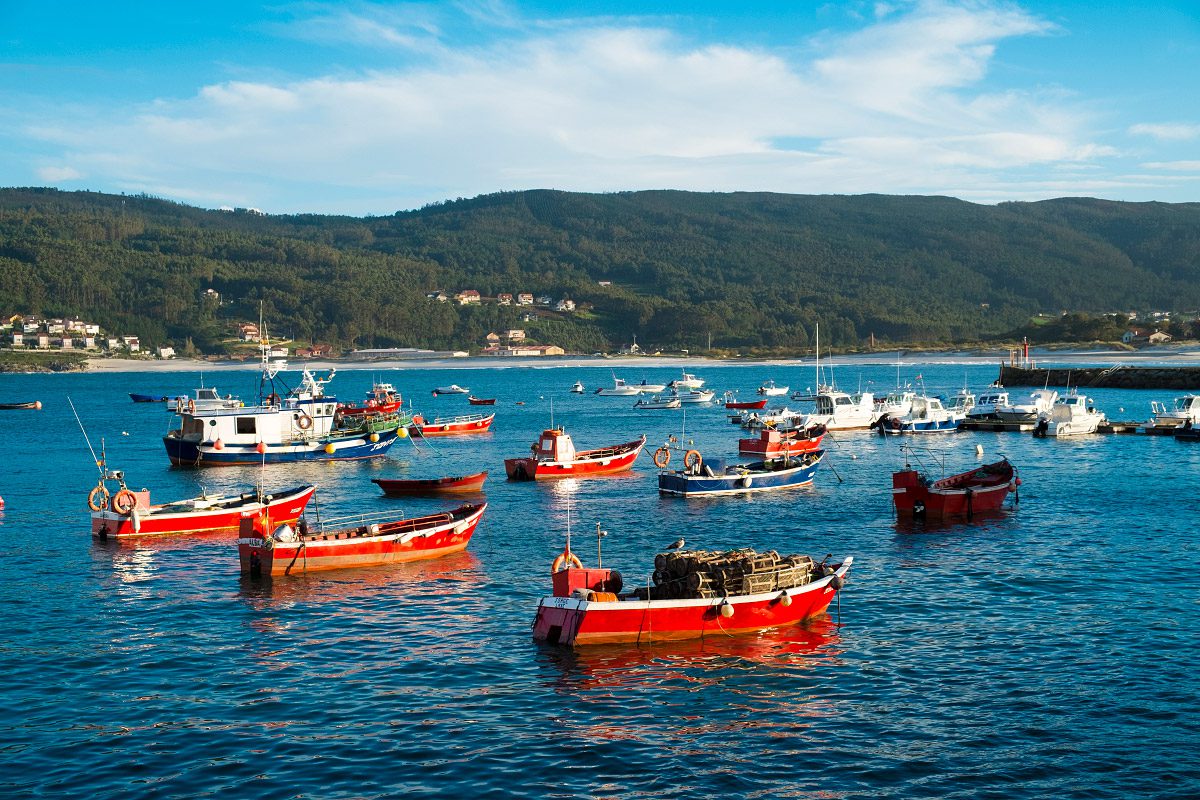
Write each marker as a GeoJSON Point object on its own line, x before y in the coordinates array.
{"type": "Point", "coordinates": [124, 501]}
{"type": "Point", "coordinates": [303, 421]}
{"type": "Point", "coordinates": [565, 558]}
{"type": "Point", "coordinates": [662, 457]}
{"type": "Point", "coordinates": [98, 498]}
{"type": "Point", "coordinates": [692, 459]}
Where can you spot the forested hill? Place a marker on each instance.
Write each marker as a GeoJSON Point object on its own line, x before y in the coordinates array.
{"type": "Point", "coordinates": [746, 270]}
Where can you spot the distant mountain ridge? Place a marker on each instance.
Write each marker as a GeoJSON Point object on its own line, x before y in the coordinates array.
{"type": "Point", "coordinates": [742, 270]}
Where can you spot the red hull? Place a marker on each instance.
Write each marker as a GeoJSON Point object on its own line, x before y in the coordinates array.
{"type": "Point", "coordinates": [174, 518]}
{"type": "Point", "coordinates": [964, 495]}
{"type": "Point", "coordinates": [479, 401]}
{"type": "Point", "coordinates": [477, 424]}
{"type": "Point", "coordinates": [749, 405]}
{"type": "Point", "coordinates": [365, 546]}
{"type": "Point", "coordinates": [465, 483]}
{"type": "Point", "coordinates": [586, 463]}
{"type": "Point", "coordinates": [576, 621]}
{"type": "Point", "coordinates": [771, 443]}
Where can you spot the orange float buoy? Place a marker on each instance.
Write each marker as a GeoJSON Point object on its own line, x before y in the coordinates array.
{"type": "Point", "coordinates": [330, 449]}
{"type": "Point", "coordinates": [219, 444]}
{"type": "Point", "coordinates": [1, 503]}
{"type": "Point", "coordinates": [261, 447]}
{"type": "Point", "coordinates": [38, 405]}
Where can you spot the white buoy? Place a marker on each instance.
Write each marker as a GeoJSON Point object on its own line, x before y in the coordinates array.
{"type": "Point", "coordinates": [726, 609]}
{"type": "Point", "coordinates": [978, 449]}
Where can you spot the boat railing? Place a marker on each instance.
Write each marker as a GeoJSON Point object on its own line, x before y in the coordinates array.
{"type": "Point", "coordinates": [914, 453]}
{"type": "Point", "coordinates": [386, 522]}
{"type": "Point", "coordinates": [460, 418]}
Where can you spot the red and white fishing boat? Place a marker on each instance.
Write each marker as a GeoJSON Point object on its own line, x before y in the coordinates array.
{"type": "Point", "coordinates": [452, 426]}
{"type": "Point", "coordinates": [382, 399]}
{"type": "Point", "coordinates": [772, 443]}
{"type": "Point", "coordinates": [555, 456]}
{"type": "Point", "coordinates": [977, 490]}
{"type": "Point", "coordinates": [588, 607]}
{"type": "Point", "coordinates": [408, 486]}
{"type": "Point", "coordinates": [289, 551]}
{"type": "Point", "coordinates": [130, 513]}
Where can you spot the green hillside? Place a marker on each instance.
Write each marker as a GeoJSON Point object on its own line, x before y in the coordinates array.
{"type": "Point", "coordinates": [747, 270]}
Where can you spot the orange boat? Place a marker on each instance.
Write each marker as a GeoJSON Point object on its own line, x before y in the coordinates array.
{"type": "Point", "coordinates": [555, 456]}
{"type": "Point", "coordinates": [772, 443]}
{"type": "Point", "coordinates": [452, 426]}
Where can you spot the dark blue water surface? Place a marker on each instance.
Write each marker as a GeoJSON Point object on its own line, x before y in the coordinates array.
{"type": "Point", "coordinates": [1049, 652]}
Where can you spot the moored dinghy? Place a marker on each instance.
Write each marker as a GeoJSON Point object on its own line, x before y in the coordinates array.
{"type": "Point", "coordinates": [698, 478]}
{"type": "Point", "coordinates": [394, 487]}
{"type": "Point", "coordinates": [963, 495]}
{"type": "Point", "coordinates": [460, 425]}
{"type": "Point", "coordinates": [555, 456]}
{"type": "Point", "coordinates": [696, 594]}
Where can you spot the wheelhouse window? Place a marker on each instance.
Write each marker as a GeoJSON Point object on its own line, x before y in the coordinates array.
{"type": "Point", "coordinates": [246, 425]}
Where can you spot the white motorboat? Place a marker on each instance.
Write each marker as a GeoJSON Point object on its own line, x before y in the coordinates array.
{"type": "Point", "coordinates": [1028, 408]}
{"type": "Point", "coordinates": [453, 388]}
{"type": "Point", "coordinates": [619, 389]}
{"type": "Point", "coordinates": [1184, 410]}
{"type": "Point", "coordinates": [658, 401]}
{"type": "Point", "coordinates": [778, 418]}
{"type": "Point", "coordinates": [927, 415]}
{"type": "Point", "coordinates": [895, 403]}
{"type": "Point", "coordinates": [962, 402]}
{"type": "Point", "coordinates": [988, 401]}
{"type": "Point", "coordinates": [769, 389]}
{"type": "Point", "coordinates": [651, 388]}
{"type": "Point", "coordinates": [577, 388]}
{"type": "Point", "coordinates": [1072, 415]}
{"type": "Point", "coordinates": [839, 411]}
{"type": "Point", "coordinates": [688, 381]}
{"type": "Point", "coordinates": [695, 396]}
{"type": "Point", "coordinates": [203, 399]}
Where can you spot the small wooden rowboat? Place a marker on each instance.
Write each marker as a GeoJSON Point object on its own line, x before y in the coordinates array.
{"type": "Point", "coordinates": [964, 495]}
{"type": "Point", "coordinates": [555, 456]}
{"type": "Point", "coordinates": [32, 405]}
{"type": "Point", "coordinates": [285, 551]}
{"type": "Point", "coordinates": [452, 426]}
{"type": "Point", "coordinates": [695, 595]}
{"type": "Point", "coordinates": [398, 486]}
{"type": "Point", "coordinates": [481, 401]}
{"type": "Point", "coordinates": [700, 478]}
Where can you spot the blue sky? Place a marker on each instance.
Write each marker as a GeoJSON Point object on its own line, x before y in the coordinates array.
{"type": "Point", "coordinates": [373, 107]}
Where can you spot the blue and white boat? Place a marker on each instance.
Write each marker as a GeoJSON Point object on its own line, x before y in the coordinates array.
{"type": "Point", "coordinates": [283, 425]}
{"type": "Point", "coordinates": [927, 415]}
{"type": "Point", "coordinates": [699, 477]}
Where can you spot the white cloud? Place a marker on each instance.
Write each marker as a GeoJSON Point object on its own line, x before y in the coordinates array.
{"type": "Point", "coordinates": [1172, 131]}
{"type": "Point", "coordinates": [1180, 166]}
{"type": "Point", "coordinates": [59, 174]}
{"type": "Point", "coordinates": [894, 107]}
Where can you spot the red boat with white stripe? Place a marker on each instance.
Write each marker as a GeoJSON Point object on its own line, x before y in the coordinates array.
{"type": "Point", "coordinates": [772, 443]}
{"type": "Point", "coordinates": [587, 608]}
{"type": "Point", "coordinates": [452, 426]}
{"type": "Point", "coordinates": [130, 513]}
{"type": "Point", "coordinates": [555, 456]}
{"type": "Point", "coordinates": [977, 490]}
{"type": "Point", "coordinates": [286, 551]}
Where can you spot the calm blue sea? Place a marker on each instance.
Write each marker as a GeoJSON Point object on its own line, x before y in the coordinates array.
{"type": "Point", "coordinates": [1047, 653]}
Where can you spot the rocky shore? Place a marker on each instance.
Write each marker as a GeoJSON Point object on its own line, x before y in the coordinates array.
{"type": "Point", "coordinates": [1115, 377]}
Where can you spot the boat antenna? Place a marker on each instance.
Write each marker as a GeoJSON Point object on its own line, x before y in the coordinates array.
{"type": "Point", "coordinates": [99, 461]}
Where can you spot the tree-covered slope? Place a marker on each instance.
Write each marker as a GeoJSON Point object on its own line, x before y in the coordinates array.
{"type": "Point", "coordinates": [748, 270]}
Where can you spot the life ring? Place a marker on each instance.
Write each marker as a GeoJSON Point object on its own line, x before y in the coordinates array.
{"type": "Point", "coordinates": [662, 457]}
{"type": "Point", "coordinates": [303, 421]}
{"type": "Point", "coordinates": [692, 459]}
{"type": "Point", "coordinates": [124, 501]}
{"type": "Point", "coordinates": [747, 482]}
{"type": "Point", "coordinates": [272, 399]}
{"type": "Point", "coordinates": [98, 498]}
{"type": "Point", "coordinates": [563, 560]}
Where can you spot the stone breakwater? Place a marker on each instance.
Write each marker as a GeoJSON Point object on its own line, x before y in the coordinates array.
{"type": "Point", "coordinates": [1118, 377]}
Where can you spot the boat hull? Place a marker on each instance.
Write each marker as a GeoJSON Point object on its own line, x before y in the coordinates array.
{"type": "Point", "coordinates": [577, 622]}
{"type": "Point", "coordinates": [187, 453]}
{"type": "Point", "coordinates": [464, 483]}
{"type": "Point", "coordinates": [397, 542]}
{"type": "Point", "coordinates": [163, 520]}
{"type": "Point", "coordinates": [752, 405]}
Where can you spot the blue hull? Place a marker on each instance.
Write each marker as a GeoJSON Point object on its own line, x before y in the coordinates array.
{"type": "Point", "coordinates": [147, 398]}
{"type": "Point", "coordinates": [753, 478]}
{"type": "Point", "coordinates": [191, 454]}
{"type": "Point", "coordinates": [946, 426]}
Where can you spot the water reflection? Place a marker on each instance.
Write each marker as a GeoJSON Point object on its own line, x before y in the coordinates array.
{"type": "Point", "coordinates": [983, 521]}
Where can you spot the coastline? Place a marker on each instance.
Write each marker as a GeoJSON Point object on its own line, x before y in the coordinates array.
{"type": "Point", "coordinates": [1166, 355]}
